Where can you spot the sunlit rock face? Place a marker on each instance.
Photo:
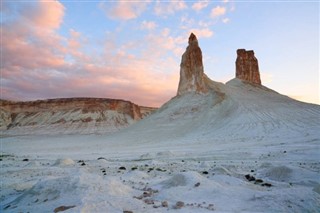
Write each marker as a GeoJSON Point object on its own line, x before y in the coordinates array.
{"type": "Point", "coordinates": [69, 115]}
{"type": "Point", "coordinates": [247, 67]}
{"type": "Point", "coordinates": [191, 69]}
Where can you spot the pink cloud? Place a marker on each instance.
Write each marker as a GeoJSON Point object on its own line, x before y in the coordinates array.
{"type": "Point", "coordinates": [203, 33]}
{"type": "Point", "coordinates": [200, 5]}
{"type": "Point", "coordinates": [41, 64]}
{"type": "Point", "coordinates": [47, 14]}
{"type": "Point", "coordinates": [217, 11]}
{"type": "Point", "coordinates": [149, 25]}
{"type": "Point", "coordinates": [124, 10]}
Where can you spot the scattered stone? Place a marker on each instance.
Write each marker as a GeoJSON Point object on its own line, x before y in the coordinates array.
{"type": "Point", "coordinates": [126, 211]}
{"type": "Point", "coordinates": [258, 181]}
{"type": "Point", "coordinates": [210, 207]}
{"type": "Point", "coordinates": [164, 204]}
{"type": "Point", "coordinates": [179, 205]}
{"type": "Point", "coordinates": [266, 184]}
{"type": "Point", "coordinates": [101, 158]}
{"type": "Point", "coordinates": [149, 201]}
{"type": "Point", "coordinates": [122, 168]}
{"type": "Point", "coordinates": [152, 190]}
{"type": "Point", "coordinates": [138, 197]}
{"type": "Point", "coordinates": [64, 162]}
{"type": "Point", "coordinates": [134, 168]}
{"type": "Point", "coordinates": [83, 164]}
{"type": "Point", "coordinates": [62, 208]}
{"type": "Point", "coordinates": [205, 172]}
{"type": "Point", "coordinates": [250, 178]}
{"type": "Point", "coordinates": [26, 159]}
{"type": "Point", "coordinates": [252, 170]}
{"type": "Point", "coordinates": [147, 194]}
{"type": "Point", "coordinates": [284, 151]}
{"type": "Point", "coordinates": [197, 184]}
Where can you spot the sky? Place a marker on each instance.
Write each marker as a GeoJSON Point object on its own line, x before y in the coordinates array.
{"type": "Point", "coordinates": [132, 50]}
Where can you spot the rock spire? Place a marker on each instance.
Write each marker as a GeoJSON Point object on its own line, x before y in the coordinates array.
{"type": "Point", "coordinates": [247, 67]}
{"type": "Point", "coordinates": [191, 69]}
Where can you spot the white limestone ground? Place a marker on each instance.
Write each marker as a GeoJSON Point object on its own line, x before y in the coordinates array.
{"type": "Point", "coordinates": [196, 149]}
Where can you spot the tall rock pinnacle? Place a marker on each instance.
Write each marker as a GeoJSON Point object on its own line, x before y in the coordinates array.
{"type": "Point", "coordinates": [247, 67]}
{"type": "Point", "coordinates": [191, 69]}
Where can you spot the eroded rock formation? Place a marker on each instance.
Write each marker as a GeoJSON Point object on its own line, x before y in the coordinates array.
{"type": "Point", "coordinates": [247, 67]}
{"type": "Point", "coordinates": [191, 69]}
{"type": "Point", "coordinates": [69, 115]}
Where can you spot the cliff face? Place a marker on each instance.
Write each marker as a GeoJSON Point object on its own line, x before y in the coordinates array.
{"type": "Point", "coordinates": [69, 115]}
{"type": "Point", "coordinates": [192, 78]}
{"type": "Point", "coordinates": [247, 67]}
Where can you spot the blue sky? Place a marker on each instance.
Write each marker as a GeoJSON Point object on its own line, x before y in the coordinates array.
{"type": "Point", "coordinates": [132, 49]}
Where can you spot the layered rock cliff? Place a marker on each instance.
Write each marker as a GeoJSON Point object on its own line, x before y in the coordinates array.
{"type": "Point", "coordinates": [192, 77]}
{"type": "Point", "coordinates": [69, 115]}
{"type": "Point", "coordinates": [247, 67]}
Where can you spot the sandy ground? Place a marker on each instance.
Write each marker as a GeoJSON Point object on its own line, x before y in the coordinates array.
{"type": "Point", "coordinates": [252, 151]}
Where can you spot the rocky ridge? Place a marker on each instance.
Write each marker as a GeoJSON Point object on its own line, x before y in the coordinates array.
{"type": "Point", "coordinates": [69, 115]}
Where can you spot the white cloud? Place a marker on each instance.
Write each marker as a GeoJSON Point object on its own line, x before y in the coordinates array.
{"type": "Point", "coordinates": [218, 11]}
{"type": "Point", "coordinates": [204, 24]}
{"type": "Point", "coordinates": [148, 25]}
{"type": "Point", "coordinates": [200, 5]}
{"type": "Point", "coordinates": [225, 20]}
{"type": "Point", "coordinates": [186, 22]}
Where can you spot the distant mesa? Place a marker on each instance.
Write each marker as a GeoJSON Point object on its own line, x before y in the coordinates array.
{"type": "Point", "coordinates": [192, 78]}
{"type": "Point", "coordinates": [247, 67]}
{"type": "Point", "coordinates": [69, 115]}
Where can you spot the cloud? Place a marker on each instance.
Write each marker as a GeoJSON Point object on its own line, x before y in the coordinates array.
{"type": "Point", "coordinates": [225, 20]}
{"type": "Point", "coordinates": [200, 5]}
{"type": "Point", "coordinates": [148, 25]}
{"type": "Point", "coordinates": [168, 8]}
{"type": "Point", "coordinates": [29, 41]}
{"type": "Point", "coordinates": [46, 14]}
{"type": "Point", "coordinates": [124, 10]}
{"type": "Point", "coordinates": [202, 33]}
{"type": "Point", "coordinates": [38, 63]}
{"type": "Point", "coordinates": [217, 11]}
